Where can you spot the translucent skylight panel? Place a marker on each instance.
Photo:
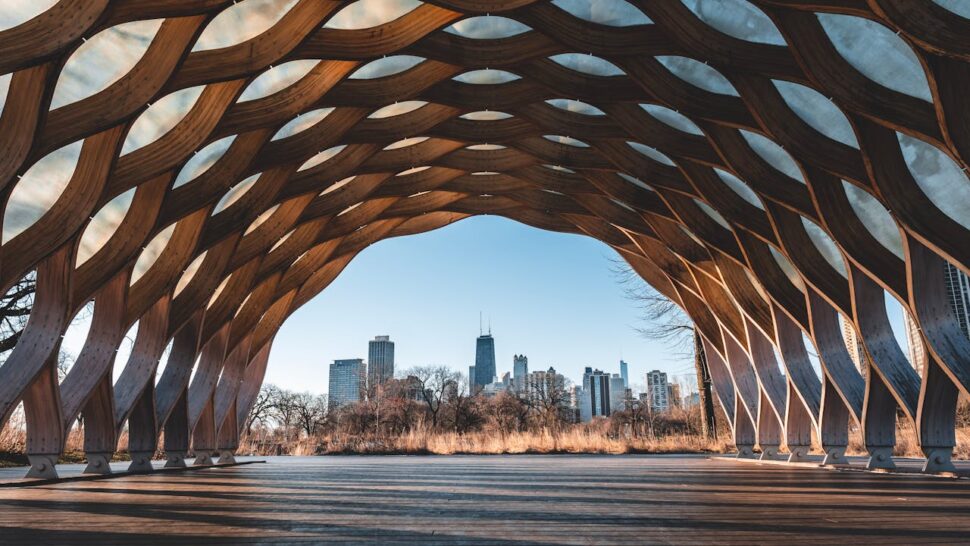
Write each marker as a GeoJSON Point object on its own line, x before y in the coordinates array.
{"type": "Point", "coordinates": [397, 109]}
{"type": "Point", "coordinates": [825, 245]}
{"type": "Point", "coordinates": [242, 21]}
{"type": "Point", "coordinates": [875, 217]}
{"type": "Point", "coordinates": [277, 78]}
{"type": "Point", "coordinates": [413, 170]}
{"type": "Point", "coordinates": [959, 7]}
{"type": "Point", "coordinates": [321, 157]}
{"type": "Point", "coordinates": [716, 216]}
{"type": "Point", "coordinates": [488, 27]}
{"type": "Point", "coordinates": [151, 252]}
{"type": "Point", "coordinates": [485, 147]}
{"type": "Point", "coordinates": [39, 188]}
{"type": "Point", "coordinates": [878, 53]}
{"type": "Point", "coordinates": [635, 181]}
{"type": "Point", "coordinates": [103, 225]}
{"type": "Point", "coordinates": [406, 142]}
{"type": "Point", "coordinates": [940, 178]}
{"type": "Point", "coordinates": [487, 76]}
{"type": "Point", "coordinates": [370, 13]}
{"type": "Point", "coordinates": [203, 160]}
{"type": "Point", "coordinates": [336, 186]}
{"type": "Point", "coordinates": [19, 12]}
{"type": "Point", "coordinates": [261, 219]}
{"type": "Point", "coordinates": [819, 112]}
{"type": "Point", "coordinates": [698, 74]}
{"type": "Point", "coordinates": [189, 274]}
{"type": "Point", "coordinates": [740, 187]}
{"type": "Point", "coordinates": [485, 115]}
{"type": "Point", "coordinates": [235, 193]}
{"type": "Point", "coordinates": [568, 141]}
{"type": "Point", "coordinates": [614, 13]}
{"type": "Point", "coordinates": [587, 64]}
{"type": "Point", "coordinates": [672, 118]}
{"type": "Point", "coordinates": [102, 60]}
{"type": "Point", "coordinates": [737, 18]}
{"type": "Point", "coordinates": [386, 66]}
{"type": "Point", "coordinates": [775, 155]}
{"type": "Point", "coordinates": [652, 153]}
{"type": "Point", "coordinates": [576, 106]}
{"type": "Point", "coordinates": [302, 122]}
{"type": "Point", "coordinates": [160, 118]}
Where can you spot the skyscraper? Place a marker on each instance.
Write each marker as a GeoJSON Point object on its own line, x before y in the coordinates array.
{"type": "Point", "coordinates": [380, 361]}
{"type": "Point", "coordinates": [484, 361]}
{"type": "Point", "coordinates": [520, 369]}
{"type": "Point", "coordinates": [596, 384]}
{"type": "Point", "coordinates": [617, 393]}
{"type": "Point", "coordinates": [958, 291]}
{"type": "Point", "coordinates": [625, 374]}
{"type": "Point", "coordinates": [471, 380]}
{"type": "Point", "coordinates": [854, 346]}
{"type": "Point", "coordinates": [657, 392]}
{"type": "Point", "coordinates": [347, 381]}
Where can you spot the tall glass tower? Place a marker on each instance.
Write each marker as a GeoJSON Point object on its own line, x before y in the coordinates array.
{"type": "Point", "coordinates": [484, 360]}
{"type": "Point", "coordinates": [380, 361]}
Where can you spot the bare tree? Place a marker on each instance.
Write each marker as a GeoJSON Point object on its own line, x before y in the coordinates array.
{"type": "Point", "coordinates": [549, 400]}
{"type": "Point", "coordinates": [310, 410]}
{"type": "Point", "coordinates": [15, 308]}
{"type": "Point", "coordinates": [262, 409]}
{"type": "Point", "coordinates": [285, 411]}
{"type": "Point", "coordinates": [662, 319]}
{"type": "Point", "coordinates": [435, 383]}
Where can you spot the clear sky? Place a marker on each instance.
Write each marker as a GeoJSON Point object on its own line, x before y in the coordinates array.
{"type": "Point", "coordinates": [550, 296]}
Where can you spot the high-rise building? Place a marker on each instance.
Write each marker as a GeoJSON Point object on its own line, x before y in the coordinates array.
{"type": "Point", "coordinates": [546, 385]}
{"type": "Point", "coordinates": [520, 369]}
{"type": "Point", "coordinates": [854, 346]}
{"type": "Point", "coordinates": [380, 361]}
{"type": "Point", "coordinates": [507, 380]}
{"type": "Point", "coordinates": [958, 291]}
{"type": "Point", "coordinates": [471, 380]}
{"type": "Point", "coordinates": [673, 395]}
{"type": "Point", "coordinates": [484, 361]}
{"type": "Point", "coordinates": [347, 381]}
{"type": "Point", "coordinates": [958, 288]}
{"type": "Point", "coordinates": [657, 395]}
{"type": "Point", "coordinates": [596, 383]}
{"type": "Point", "coordinates": [617, 394]}
{"type": "Point", "coordinates": [625, 374]}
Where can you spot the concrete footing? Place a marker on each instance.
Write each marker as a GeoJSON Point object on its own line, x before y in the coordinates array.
{"type": "Point", "coordinates": [42, 467]}
{"type": "Point", "coordinates": [175, 459]}
{"type": "Point", "coordinates": [798, 454]}
{"type": "Point", "coordinates": [769, 452]}
{"type": "Point", "coordinates": [881, 458]}
{"type": "Point", "coordinates": [98, 463]}
{"type": "Point", "coordinates": [745, 451]}
{"type": "Point", "coordinates": [203, 458]}
{"type": "Point", "coordinates": [141, 462]}
{"type": "Point", "coordinates": [938, 459]}
{"type": "Point", "coordinates": [227, 457]}
{"type": "Point", "coordinates": [834, 455]}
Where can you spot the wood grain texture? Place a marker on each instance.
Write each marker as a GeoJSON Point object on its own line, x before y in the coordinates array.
{"type": "Point", "coordinates": [750, 277]}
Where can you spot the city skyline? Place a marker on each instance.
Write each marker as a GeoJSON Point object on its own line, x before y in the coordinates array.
{"type": "Point", "coordinates": [429, 303]}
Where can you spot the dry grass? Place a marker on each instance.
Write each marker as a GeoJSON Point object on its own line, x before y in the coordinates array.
{"type": "Point", "coordinates": [423, 441]}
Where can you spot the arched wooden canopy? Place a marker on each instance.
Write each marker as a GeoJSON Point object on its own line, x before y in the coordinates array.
{"type": "Point", "coordinates": [735, 203]}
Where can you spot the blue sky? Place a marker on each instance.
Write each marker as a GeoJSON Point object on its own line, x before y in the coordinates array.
{"type": "Point", "coordinates": [550, 296]}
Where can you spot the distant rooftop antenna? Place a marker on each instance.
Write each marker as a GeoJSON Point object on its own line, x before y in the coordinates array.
{"type": "Point", "coordinates": [480, 323]}
{"type": "Point", "coordinates": [490, 325]}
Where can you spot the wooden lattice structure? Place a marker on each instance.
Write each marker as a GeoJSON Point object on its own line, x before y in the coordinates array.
{"type": "Point", "coordinates": [735, 205]}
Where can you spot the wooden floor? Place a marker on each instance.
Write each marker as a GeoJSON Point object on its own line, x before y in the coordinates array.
{"type": "Point", "coordinates": [494, 500]}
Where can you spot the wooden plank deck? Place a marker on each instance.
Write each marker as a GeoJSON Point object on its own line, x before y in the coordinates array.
{"type": "Point", "coordinates": [494, 500]}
